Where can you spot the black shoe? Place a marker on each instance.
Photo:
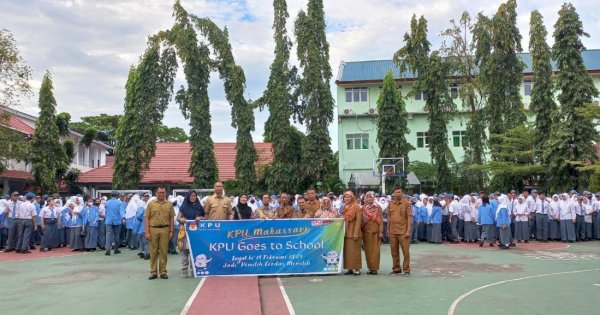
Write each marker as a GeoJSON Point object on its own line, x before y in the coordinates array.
{"type": "Point", "coordinates": [26, 252]}
{"type": "Point", "coordinates": [347, 273]}
{"type": "Point", "coordinates": [102, 248]}
{"type": "Point", "coordinates": [481, 244]}
{"type": "Point", "coordinates": [164, 276]}
{"type": "Point", "coordinates": [32, 247]}
{"type": "Point", "coordinates": [42, 250]}
{"type": "Point", "coordinates": [107, 253]}
{"type": "Point", "coordinates": [140, 254]}
{"type": "Point", "coordinates": [394, 272]}
{"type": "Point", "coordinates": [147, 257]}
{"type": "Point", "coordinates": [513, 244]}
{"type": "Point", "coordinates": [9, 250]}
{"type": "Point", "coordinates": [49, 249]}
{"type": "Point", "coordinates": [117, 251]}
{"type": "Point", "coordinates": [491, 245]}
{"type": "Point", "coordinates": [152, 277]}
{"type": "Point", "coordinates": [526, 241]}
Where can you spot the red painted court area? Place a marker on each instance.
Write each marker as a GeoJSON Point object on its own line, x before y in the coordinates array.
{"type": "Point", "coordinates": [237, 295]}
{"type": "Point", "coordinates": [36, 254]}
{"type": "Point", "coordinates": [532, 245]}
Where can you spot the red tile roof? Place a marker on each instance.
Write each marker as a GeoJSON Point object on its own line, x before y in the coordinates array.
{"type": "Point", "coordinates": [18, 175]}
{"type": "Point", "coordinates": [172, 160]}
{"type": "Point", "coordinates": [17, 124]}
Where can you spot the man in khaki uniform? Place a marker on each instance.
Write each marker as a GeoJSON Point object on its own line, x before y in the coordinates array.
{"type": "Point", "coordinates": [312, 204]}
{"type": "Point", "coordinates": [159, 231]}
{"type": "Point", "coordinates": [285, 210]}
{"type": "Point", "coordinates": [301, 212]}
{"type": "Point", "coordinates": [399, 228]}
{"type": "Point", "coordinates": [217, 206]}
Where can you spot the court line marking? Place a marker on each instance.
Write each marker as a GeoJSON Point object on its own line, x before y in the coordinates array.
{"type": "Point", "coordinates": [286, 298]}
{"type": "Point", "coordinates": [464, 296]}
{"type": "Point", "coordinates": [187, 306]}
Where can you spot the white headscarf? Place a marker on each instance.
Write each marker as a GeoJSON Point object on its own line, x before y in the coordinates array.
{"type": "Point", "coordinates": [383, 203]}
{"type": "Point", "coordinates": [132, 207]}
{"type": "Point", "coordinates": [502, 203]}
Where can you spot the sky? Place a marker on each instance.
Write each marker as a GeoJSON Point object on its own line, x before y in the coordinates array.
{"type": "Point", "coordinates": [89, 45]}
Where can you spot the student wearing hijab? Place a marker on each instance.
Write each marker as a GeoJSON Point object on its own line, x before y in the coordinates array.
{"type": "Point", "coordinates": [587, 206]}
{"type": "Point", "coordinates": [90, 221]}
{"type": "Point", "coordinates": [372, 232]}
{"type": "Point", "coordinates": [503, 222]}
{"type": "Point", "coordinates": [468, 219]}
{"type": "Point", "coordinates": [242, 211]}
{"type": "Point", "coordinates": [567, 212]}
{"type": "Point", "coordinates": [190, 209]}
{"type": "Point", "coordinates": [553, 221]}
{"type": "Point", "coordinates": [352, 253]}
{"type": "Point", "coordinates": [140, 229]}
{"type": "Point", "coordinates": [50, 216]}
{"type": "Point", "coordinates": [130, 210]}
{"type": "Point", "coordinates": [486, 219]}
{"type": "Point", "coordinates": [435, 219]}
{"type": "Point", "coordinates": [76, 227]}
{"type": "Point", "coordinates": [521, 212]}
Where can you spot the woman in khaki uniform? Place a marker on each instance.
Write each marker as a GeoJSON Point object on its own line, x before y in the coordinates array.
{"type": "Point", "coordinates": [372, 229]}
{"type": "Point", "coordinates": [352, 252]}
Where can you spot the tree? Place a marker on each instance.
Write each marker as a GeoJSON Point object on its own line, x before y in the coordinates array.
{"type": "Point", "coordinates": [315, 93]}
{"type": "Point", "coordinates": [573, 138]}
{"type": "Point", "coordinates": [392, 121]}
{"type": "Point", "coordinates": [285, 172]}
{"type": "Point", "coordinates": [460, 51]}
{"type": "Point", "coordinates": [105, 125]}
{"type": "Point", "coordinates": [432, 72]}
{"type": "Point", "coordinates": [542, 96]}
{"type": "Point", "coordinates": [49, 157]}
{"type": "Point", "coordinates": [497, 43]}
{"type": "Point", "coordinates": [171, 134]}
{"type": "Point", "coordinates": [14, 74]}
{"type": "Point", "coordinates": [148, 91]}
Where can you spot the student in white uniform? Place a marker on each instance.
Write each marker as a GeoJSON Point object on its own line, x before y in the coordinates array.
{"type": "Point", "coordinates": [567, 218]}
{"type": "Point", "coordinates": [588, 219]}
{"type": "Point", "coordinates": [26, 223]}
{"type": "Point", "coordinates": [521, 214]}
{"type": "Point", "coordinates": [542, 206]}
{"type": "Point", "coordinates": [553, 219]}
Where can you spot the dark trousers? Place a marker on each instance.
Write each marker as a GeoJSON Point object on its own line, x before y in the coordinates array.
{"type": "Point", "coordinates": [173, 242]}
{"type": "Point", "coordinates": [37, 236]}
{"type": "Point", "coordinates": [454, 228]}
{"type": "Point", "coordinates": [24, 232]}
{"type": "Point", "coordinates": [123, 235]}
{"type": "Point", "coordinates": [113, 234]}
{"type": "Point", "coordinates": [541, 224]}
{"type": "Point", "coordinates": [580, 228]}
{"type": "Point", "coordinates": [532, 226]}
{"type": "Point", "coordinates": [3, 237]}
{"type": "Point", "coordinates": [385, 238]}
{"type": "Point", "coordinates": [13, 236]}
{"type": "Point", "coordinates": [101, 234]}
{"type": "Point", "coordinates": [446, 232]}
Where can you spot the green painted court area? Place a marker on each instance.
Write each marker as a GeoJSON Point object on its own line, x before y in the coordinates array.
{"type": "Point", "coordinates": [445, 280]}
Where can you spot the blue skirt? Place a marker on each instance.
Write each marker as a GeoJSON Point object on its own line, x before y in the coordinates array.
{"type": "Point", "coordinates": [91, 237]}
{"type": "Point", "coordinates": [51, 237]}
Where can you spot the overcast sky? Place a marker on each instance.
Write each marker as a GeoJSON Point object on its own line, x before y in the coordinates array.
{"type": "Point", "coordinates": [89, 45]}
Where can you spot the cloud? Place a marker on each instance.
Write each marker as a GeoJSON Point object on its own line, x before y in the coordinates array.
{"type": "Point", "coordinates": [89, 45]}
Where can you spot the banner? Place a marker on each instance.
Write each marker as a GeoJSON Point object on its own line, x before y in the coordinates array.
{"type": "Point", "coordinates": [266, 247]}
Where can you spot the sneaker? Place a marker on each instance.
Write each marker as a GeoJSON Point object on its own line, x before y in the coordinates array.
{"type": "Point", "coordinates": [407, 274]}
{"type": "Point", "coordinates": [356, 272]}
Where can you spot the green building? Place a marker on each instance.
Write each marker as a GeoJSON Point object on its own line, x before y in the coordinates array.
{"type": "Point", "coordinates": [358, 85]}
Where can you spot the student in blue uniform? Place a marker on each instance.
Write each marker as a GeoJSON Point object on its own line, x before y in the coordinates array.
{"type": "Point", "coordinates": [50, 216]}
{"type": "Point", "coordinates": [115, 218]}
{"type": "Point", "coordinates": [503, 222]}
{"type": "Point", "coordinates": [436, 222]}
{"type": "Point", "coordinates": [63, 228]}
{"type": "Point", "coordinates": [414, 235]}
{"type": "Point", "coordinates": [90, 219]}
{"type": "Point", "coordinates": [139, 229]}
{"type": "Point", "coordinates": [76, 228]}
{"type": "Point", "coordinates": [4, 221]}
{"type": "Point", "coordinates": [422, 217]}
{"type": "Point", "coordinates": [486, 217]}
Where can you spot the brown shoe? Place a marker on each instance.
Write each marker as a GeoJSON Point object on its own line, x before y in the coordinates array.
{"type": "Point", "coordinates": [152, 277]}
{"type": "Point", "coordinates": [164, 276]}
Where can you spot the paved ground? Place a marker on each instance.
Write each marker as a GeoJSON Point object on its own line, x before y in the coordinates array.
{"type": "Point", "coordinates": [458, 279]}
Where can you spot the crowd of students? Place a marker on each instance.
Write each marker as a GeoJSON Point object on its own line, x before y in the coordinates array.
{"type": "Point", "coordinates": [88, 224]}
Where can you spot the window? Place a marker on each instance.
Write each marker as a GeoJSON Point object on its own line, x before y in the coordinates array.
{"type": "Point", "coordinates": [454, 90]}
{"type": "Point", "coordinates": [527, 86]}
{"type": "Point", "coordinates": [458, 138]}
{"type": "Point", "coordinates": [357, 141]}
{"type": "Point", "coordinates": [422, 140]}
{"type": "Point", "coordinates": [357, 94]}
{"type": "Point", "coordinates": [421, 96]}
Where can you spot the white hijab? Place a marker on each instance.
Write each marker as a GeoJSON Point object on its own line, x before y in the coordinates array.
{"type": "Point", "coordinates": [132, 207]}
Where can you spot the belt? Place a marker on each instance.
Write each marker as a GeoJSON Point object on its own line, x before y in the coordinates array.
{"type": "Point", "coordinates": [159, 226]}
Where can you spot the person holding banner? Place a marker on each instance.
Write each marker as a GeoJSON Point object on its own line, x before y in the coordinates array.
{"type": "Point", "coordinates": [217, 206]}
{"type": "Point", "coordinates": [190, 209]}
{"type": "Point", "coordinates": [285, 210]}
{"type": "Point", "coordinates": [399, 229]}
{"type": "Point", "coordinates": [327, 211]}
{"type": "Point", "coordinates": [352, 251]}
{"type": "Point", "coordinates": [159, 227]}
{"type": "Point", "coordinates": [312, 204]}
{"type": "Point", "coordinates": [301, 211]}
{"type": "Point", "coordinates": [242, 211]}
{"type": "Point", "coordinates": [266, 212]}
{"type": "Point", "coordinates": [372, 227]}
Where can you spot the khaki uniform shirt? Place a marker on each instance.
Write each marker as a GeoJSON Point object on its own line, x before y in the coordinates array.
{"type": "Point", "coordinates": [312, 207]}
{"type": "Point", "coordinates": [160, 213]}
{"type": "Point", "coordinates": [217, 208]}
{"type": "Point", "coordinates": [399, 214]}
{"type": "Point", "coordinates": [285, 212]}
{"type": "Point", "coordinates": [299, 214]}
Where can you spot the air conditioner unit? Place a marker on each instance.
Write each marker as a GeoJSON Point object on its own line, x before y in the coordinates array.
{"type": "Point", "coordinates": [596, 102]}
{"type": "Point", "coordinates": [372, 111]}
{"type": "Point", "coordinates": [347, 111]}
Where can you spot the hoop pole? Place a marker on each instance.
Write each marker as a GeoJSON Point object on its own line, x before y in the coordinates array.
{"type": "Point", "coordinates": [383, 184]}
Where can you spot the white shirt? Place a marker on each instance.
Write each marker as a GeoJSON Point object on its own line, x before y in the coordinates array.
{"type": "Point", "coordinates": [538, 206]}
{"type": "Point", "coordinates": [530, 203]}
{"type": "Point", "coordinates": [46, 213]}
{"type": "Point", "coordinates": [26, 210]}
{"type": "Point", "coordinates": [521, 212]}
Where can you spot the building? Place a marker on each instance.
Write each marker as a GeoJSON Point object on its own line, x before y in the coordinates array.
{"type": "Point", "coordinates": [18, 174]}
{"type": "Point", "coordinates": [358, 85]}
{"type": "Point", "coordinates": [170, 165]}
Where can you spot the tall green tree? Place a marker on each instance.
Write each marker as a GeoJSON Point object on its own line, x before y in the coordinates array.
{"type": "Point", "coordinates": [315, 93]}
{"type": "Point", "coordinates": [392, 125]}
{"type": "Point", "coordinates": [285, 172]}
{"type": "Point", "coordinates": [432, 79]}
{"type": "Point", "coordinates": [459, 50]}
{"type": "Point", "coordinates": [171, 134]}
{"type": "Point", "coordinates": [49, 157]}
{"type": "Point", "coordinates": [105, 125]}
{"type": "Point", "coordinates": [148, 91]}
{"type": "Point", "coordinates": [542, 95]}
{"type": "Point", "coordinates": [573, 139]}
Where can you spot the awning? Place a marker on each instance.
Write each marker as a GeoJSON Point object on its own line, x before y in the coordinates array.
{"type": "Point", "coordinates": [412, 179]}
{"type": "Point", "coordinates": [366, 178]}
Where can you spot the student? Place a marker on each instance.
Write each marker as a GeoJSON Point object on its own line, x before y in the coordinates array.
{"type": "Point", "coordinates": [596, 216]}
{"type": "Point", "coordinates": [579, 208]}
{"type": "Point", "coordinates": [139, 227]}
{"type": "Point", "coordinates": [4, 221]}
{"type": "Point", "coordinates": [242, 211]}
{"type": "Point", "coordinates": [77, 230]}
{"type": "Point", "coordinates": [372, 232]}
{"type": "Point", "coordinates": [64, 230]}
{"type": "Point", "coordinates": [588, 220]}
{"type": "Point", "coordinates": [521, 220]}
{"type": "Point", "coordinates": [90, 221]}
{"type": "Point", "coordinates": [50, 216]}
{"type": "Point", "coordinates": [487, 220]}
{"type": "Point", "coordinates": [422, 215]}
{"type": "Point", "coordinates": [99, 203]}
{"type": "Point", "coordinates": [542, 206]}
{"type": "Point", "coordinates": [415, 206]}
{"type": "Point", "coordinates": [352, 253]}
{"type": "Point", "coordinates": [567, 218]}
{"type": "Point", "coordinates": [130, 211]}
{"type": "Point", "coordinates": [10, 212]}
{"type": "Point", "coordinates": [503, 222]}
{"type": "Point", "coordinates": [553, 221]}
{"type": "Point", "coordinates": [468, 224]}
{"type": "Point", "coordinates": [435, 220]}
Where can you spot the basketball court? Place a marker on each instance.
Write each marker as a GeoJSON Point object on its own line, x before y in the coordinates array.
{"type": "Point", "coordinates": [535, 278]}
